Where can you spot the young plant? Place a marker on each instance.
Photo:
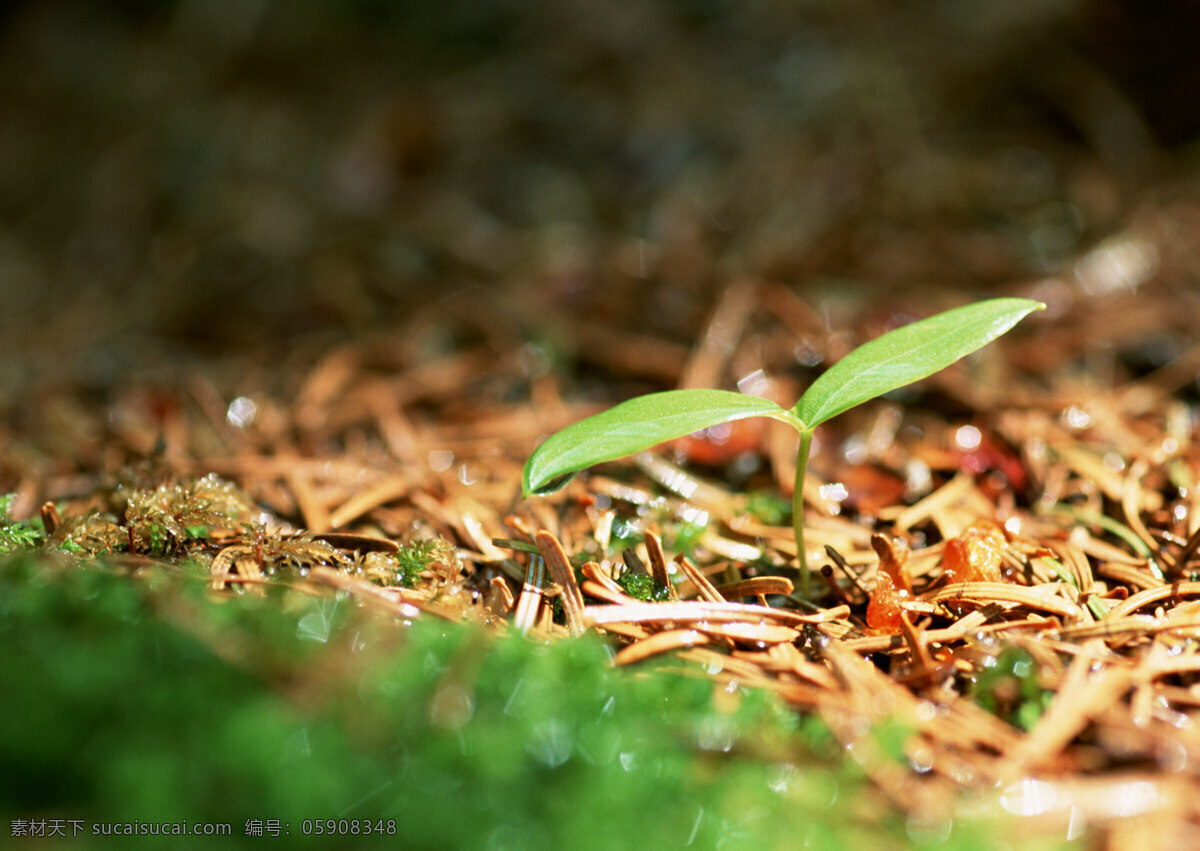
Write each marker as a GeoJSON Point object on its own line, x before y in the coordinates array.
{"type": "Point", "coordinates": [893, 360]}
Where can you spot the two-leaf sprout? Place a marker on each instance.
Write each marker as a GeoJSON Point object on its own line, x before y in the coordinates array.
{"type": "Point", "coordinates": [897, 358]}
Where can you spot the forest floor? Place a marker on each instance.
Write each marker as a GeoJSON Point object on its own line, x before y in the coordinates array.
{"type": "Point", "coordinates": [270, 387]}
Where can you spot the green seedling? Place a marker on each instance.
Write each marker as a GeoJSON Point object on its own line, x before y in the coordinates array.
{"type": "Point", "coordinates": [893, 360]}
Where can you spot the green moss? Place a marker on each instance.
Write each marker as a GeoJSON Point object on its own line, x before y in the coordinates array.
{"type": "Point", "coordinates": [457, 737]}
{"type": "Point", "coordinates": [642, 586]}
{"type": "Point", "coordinates": [417, 556]}
{"type": "Point", "coordinates": [1009, 689]}
{"type": "Point", "coordinates": [160, 520]}
{"type": "Point", "coordinates": [15, 535]}
{"type": "Point", "coordinates": [769, 508]}
{"type": "Point", "coordinates": [683, 537]}
{"type": "Point", "coordinates": [891, 735]}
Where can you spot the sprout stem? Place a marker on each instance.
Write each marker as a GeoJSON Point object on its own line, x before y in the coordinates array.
{"type": "Point", "coordinates": [798, 511]}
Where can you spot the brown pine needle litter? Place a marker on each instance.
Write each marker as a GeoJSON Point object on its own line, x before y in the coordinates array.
{"type": "Point", "coordinates": [1068, 690]}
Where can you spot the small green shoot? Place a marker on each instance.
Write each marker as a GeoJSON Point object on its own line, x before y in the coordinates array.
{"type": "Point", "coordinates": [1098, 607]}
{"type": "Point", "coordinates": [1108, 524]}
{"type": "Point", "coordinates": [893, 360]}
{"type": "Point", "coordinates": [15, 535]}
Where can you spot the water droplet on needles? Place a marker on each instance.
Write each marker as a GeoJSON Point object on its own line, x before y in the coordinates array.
{"type": "Point", "coordinates": [927, 710]}
{"type": "Point", "coordinates": [1076, 417]}
{"type": "Point", "coordinates": [834, 492]}
{"type": "Point", "coordinates": [921, 759]}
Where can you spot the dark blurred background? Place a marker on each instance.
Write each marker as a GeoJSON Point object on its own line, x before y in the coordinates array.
{"type": "Point", "coordinates": [208, 180]}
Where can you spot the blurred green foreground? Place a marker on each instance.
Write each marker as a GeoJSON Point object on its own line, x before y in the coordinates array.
{"type": "Point", "coordinates": [140, 700]}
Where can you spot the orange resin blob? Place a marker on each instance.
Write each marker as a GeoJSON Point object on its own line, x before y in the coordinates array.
{"type": "Point", "coordinates": [976, 554]}
{"type": "Point", "coordinates": [891, 585]}
{"type": "Point", "coordinates": [884, 611]}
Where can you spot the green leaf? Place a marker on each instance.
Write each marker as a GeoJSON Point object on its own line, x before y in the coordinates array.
{"type": "Point", "coordinates": [908, 354]}
{"type": "Point", "coordinates": [633, 426]}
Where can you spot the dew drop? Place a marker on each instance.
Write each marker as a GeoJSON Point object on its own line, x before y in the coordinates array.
{"type": "Point", "coordinates": [834, 492]}
{"type": "Point", "coordinates": [968, 437]}
{"type": "Point", "coordinates": [1077, 417]}
{"type": "Point", "coordinates": [921, 759]}
{"type": "Point", "coordinates": [241, 412]}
